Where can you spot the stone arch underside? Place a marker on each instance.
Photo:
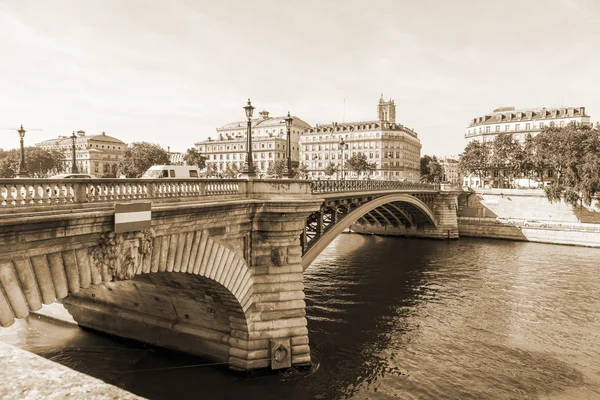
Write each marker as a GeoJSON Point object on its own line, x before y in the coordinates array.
{"type": "Point", "coordinates": [184, 291]}
{"type": "Point", "coordinates": [411, 211]}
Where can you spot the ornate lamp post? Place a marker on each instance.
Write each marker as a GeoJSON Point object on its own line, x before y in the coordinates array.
{"type": "Point", "coordinates": [342, 146]}
{"type": "Point", "coordinates": [74, 169]}
{"type": "Point", "coordinates": [289, 173]}
{"type": "Point", "coordinates": [390, 154]}
{"type": "Point", "coordinates": [249, 171]}
{"type": "Point", "coordinates": [22, 170]}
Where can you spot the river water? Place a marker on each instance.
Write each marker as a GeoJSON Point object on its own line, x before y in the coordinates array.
{"type": "Point", "coordinates": [394, 318]}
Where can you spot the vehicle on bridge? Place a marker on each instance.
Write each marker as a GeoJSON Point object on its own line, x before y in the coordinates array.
{"type": "Point", "coordinates": [172, 172]}
{"type": "Point", "coordinates": [71, 176]}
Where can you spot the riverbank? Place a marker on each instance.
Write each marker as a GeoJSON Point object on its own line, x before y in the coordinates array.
{"type": "Point", "coordinates": [527, 215]}
{"type": "Point", "coordinates": [25, 375]}
{"type": "Point", "coordinates": [563, 234]}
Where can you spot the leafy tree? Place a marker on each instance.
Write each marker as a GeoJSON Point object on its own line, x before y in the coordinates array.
{"type": "Point", "coordinates": [140, 156]}
{"type": "Point", "coordinates": [276, 168]}
{"type": "Point", "coordinates": [211, 171]}
{"type": "Point", "coordinates": [475, 159]}
{"type": "Point", "coordinates": [506, 153]}
{"type": "Point", "coordinates": [193, 157]}
{"type": "Point", "coordinates": [302, 171]}
{"type": "Point", "coordinates": [358, 163]}
{"type": "Point", "coordinates": [40, 162]}
{"type": "Point", "coordinates": [231, 172]}
{"type": "Point", "coordinates": [330, 169]}
{"type": "Point", "coordinates": [431, 169]}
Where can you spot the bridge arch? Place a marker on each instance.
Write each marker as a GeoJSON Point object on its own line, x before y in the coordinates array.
{"type": "Point", "coordinates": [192, 287]}
{"type": "Point", "coordinates": [359, 212]}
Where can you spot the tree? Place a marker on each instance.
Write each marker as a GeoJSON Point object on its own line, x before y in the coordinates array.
{"type": "Point", "coordinates": [359, 164]}
{"type": "Point", "coordinates": [302, 171]}
{"type": "Point", "coordinates": [231, 172]}
{"type": "Point", "coordinates": [211, 171]}
{"type": "Point", "coordinates": [194, 157]}
{"type": "Point", "coordinates": [475, 159]}
{"type": "Point", "coordinates": [40, 162]}
{"type": "Point", "coordinates": [330, 169]}
{"type": "Point", "coordinates": [431, 170]}
{"type": "Point", "coordinates": [276, 168]}
{"type": "Point", "coordinates": [140, 156]}
{"type": "Point", "coordinates": [505, 155]}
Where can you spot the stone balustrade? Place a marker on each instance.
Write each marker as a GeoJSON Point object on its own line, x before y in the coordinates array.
{"type": "Point", "coordinates": [28, 193]}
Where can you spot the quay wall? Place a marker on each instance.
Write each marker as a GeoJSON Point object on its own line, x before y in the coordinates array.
{"type": "Point", "coordinates": [557, 223]}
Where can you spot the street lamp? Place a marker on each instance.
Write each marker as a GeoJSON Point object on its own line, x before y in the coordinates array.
{"type": "Point", "coordinates": [74, 169]}
{"type": "Point", "coordinates": [390, 154]}
{"type": "Point", "coordinates": [249, 171]}
{"type": "Point", "coordinates": [22, 170]}
{"type": "Point", "coordinates": [342, 146]}
{"type": "Point", "coordinates": [289, 173]}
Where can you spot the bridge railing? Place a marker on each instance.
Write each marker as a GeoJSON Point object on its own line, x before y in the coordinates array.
{"type": "Point", "coordinates": [338, 186]}
{"type": "Point", "coordinates": [52, 192]}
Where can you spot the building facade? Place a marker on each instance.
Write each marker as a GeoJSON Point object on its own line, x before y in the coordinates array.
{"type": "Point", "coordinates": [96, 155]}
{"type": "Point", "coordinates": [451, 171]}
{"type": "Point", "coordinates": [394, 149]}
{"type": "Point", "coordinates": [269, 143]}
{"type": "Point", "coordinates": [176, 158]}
{"type": "Point", "coordinates": [518, 123]}
{"type": "Point", "coordinates": [522, 122]}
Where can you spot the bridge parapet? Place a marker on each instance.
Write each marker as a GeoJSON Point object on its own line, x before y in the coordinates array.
{"type": "Point", "coordinates": [339, 186]}
{"type": "Point", "coordinates": [41, 194]}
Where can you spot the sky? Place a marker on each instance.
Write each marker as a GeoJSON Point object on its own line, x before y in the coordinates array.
{"type": "Point", "coordinates": [170, 72]}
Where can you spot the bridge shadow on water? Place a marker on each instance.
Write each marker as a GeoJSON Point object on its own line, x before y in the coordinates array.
{"type": "Point", "coordinates": [354, 306]}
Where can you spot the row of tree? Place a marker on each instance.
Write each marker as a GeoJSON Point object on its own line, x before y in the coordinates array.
{"type": "Point", "coordinates": [39, 162]}
{"type": "Point", "coordinates": [571, 154]}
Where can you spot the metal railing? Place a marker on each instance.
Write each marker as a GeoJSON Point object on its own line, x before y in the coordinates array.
{"type": "Point", "coordinates": [339, 186]}
{"type": "Point", "coordinates": [534, 223]}
{"type": "Point", "coordinates": [52, 192]}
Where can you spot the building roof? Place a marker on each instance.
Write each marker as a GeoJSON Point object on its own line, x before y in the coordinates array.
{"type": "Point", "coordinates": [510, 114]}
{"type": "Point", "coordinates": [359, 126]}
{"type": "Point", "coordinates": [267, 122]}
{"type": "Point", "coordinates": [66, 140]}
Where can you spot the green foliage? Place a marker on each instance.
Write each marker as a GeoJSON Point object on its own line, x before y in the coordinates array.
{"type": "Point", "coordinates": [140, 156]}
{"type": "Point", "coordinates": [330, 169]}
{"type": "Point", "coordinates": [431, 169]}
{"type": "Point", "coordinates": [276, 168]}
{"type": "Point", "coordinates": [358, 163]}
{"type": "Point", "coordinates": [194, 157]}
{"type": "Point", "coordinates": [39, 162]}
{"type": "Point", "coordinates": [231, 172]}
{"type": "Point", "coordinates": [475, 159]}
{"type": "Point", "coordinates": [301, 171]}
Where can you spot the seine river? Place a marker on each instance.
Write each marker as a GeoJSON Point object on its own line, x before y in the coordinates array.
{"type": "Point", "coordinates": [394, 318]}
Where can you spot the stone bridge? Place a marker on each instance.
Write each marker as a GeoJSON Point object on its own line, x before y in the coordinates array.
{"type": "Point", "coordinates": [219, 273]}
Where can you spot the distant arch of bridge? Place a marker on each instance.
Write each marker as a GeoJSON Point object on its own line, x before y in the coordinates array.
{"type": "Point", "coordinates": [381, 210]}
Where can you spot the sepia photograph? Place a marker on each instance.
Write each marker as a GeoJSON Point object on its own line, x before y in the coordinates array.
{"type": "Point", "coordinates": [299, 199]}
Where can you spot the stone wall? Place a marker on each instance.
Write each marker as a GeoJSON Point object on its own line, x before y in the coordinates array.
{"type": "Point", "coordinates": [490, 229]}
{"type": "Point", "coordinates": [524, 204]}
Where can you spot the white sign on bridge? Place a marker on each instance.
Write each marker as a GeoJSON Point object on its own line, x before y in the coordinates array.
{"type": "Point", "coordinates": [131, 217]}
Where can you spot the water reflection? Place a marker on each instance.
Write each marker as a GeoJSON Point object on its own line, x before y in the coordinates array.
{"type": "Point", "coordinates": [390, 317]}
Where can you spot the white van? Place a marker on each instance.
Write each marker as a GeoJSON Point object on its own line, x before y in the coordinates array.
{"type": "Point", "coordinates": [172, 172]}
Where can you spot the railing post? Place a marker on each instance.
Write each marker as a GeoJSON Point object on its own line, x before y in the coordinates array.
{"type": "Point", "coordinates": [151, 190]}
{"type": "Point", "coordinates": [79, 192]}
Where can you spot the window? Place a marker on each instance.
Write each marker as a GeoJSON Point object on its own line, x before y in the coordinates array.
{"type": "Point", "coordinates": [551, 124]}
{"type": "Point", "coordinates": [562, 123]}
{"type": "Point", "coordinates": [506, 128]}
{"type": "Point", "coordinates": [527, 126]}
{"type": "Point", "coordinates": [517, 127]}
{"type": "Point", "coordinates": [487, 129]}
{"type": "Point", "coordinates": [497, 128]}
{"type": "Point", "coordinates": [193, 173]}
{"type": "Point", "coordinates": [172, 173]}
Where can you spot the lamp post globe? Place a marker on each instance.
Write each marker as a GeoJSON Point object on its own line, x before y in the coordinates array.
{"type": "Point", "coordinates": [74, 169]}
{"type": "Point", "coordinates": [249, 171]}
{"type": "Point", "coordinates": [289, 173]}
{"type": "Point", "coordinates": [22, 169]}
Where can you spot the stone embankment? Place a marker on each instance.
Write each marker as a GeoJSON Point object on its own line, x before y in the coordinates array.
{"type": "Point", "coordinates": [527, 215]}
{"type": "Point", "coordinates": [25, 376]}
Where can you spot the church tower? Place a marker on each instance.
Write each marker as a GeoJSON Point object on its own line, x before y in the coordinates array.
{"type": "Point", "coordinates": [386, 110]}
